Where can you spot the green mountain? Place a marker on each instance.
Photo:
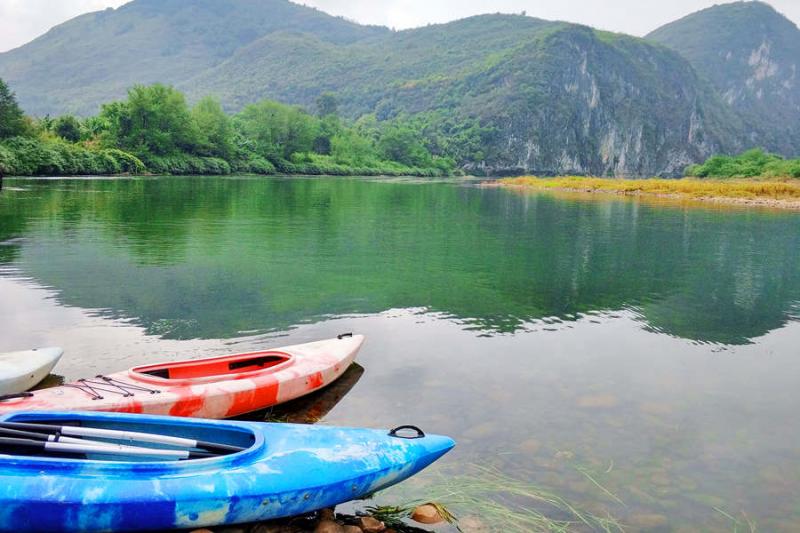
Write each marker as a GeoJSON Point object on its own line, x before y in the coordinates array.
{"type": "Point", "coordinates": [96, 57]}
{"type": "Point", "coordinates": [503, 93]}
{"type": "Point", "coordinates": [751, 53]}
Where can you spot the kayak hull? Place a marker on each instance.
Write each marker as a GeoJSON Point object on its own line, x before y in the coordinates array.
{"type": "Point", "coordinates": [182, 389]}
{"type": "Point", "coordinates": [19, 371]}
{"type": "Point", "coordinates": [288, 470]}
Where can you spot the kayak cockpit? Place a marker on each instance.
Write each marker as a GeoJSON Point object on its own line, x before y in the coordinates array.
{"type": "Point", "coordinates": [106, 438]}
{"type": "Point", "coordinates": [226, 366]}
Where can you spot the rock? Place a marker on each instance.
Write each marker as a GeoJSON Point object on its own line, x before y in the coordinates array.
{"type": "Point", "coordinates": [472, 524]}
{"type": "Point", "coordinates": [654, 408]}
{"type": "Point", "coordinates": [328, 526]}
{"type": "Point", "coordinates": [201, 531]}
{"type": "Point", "coordinates": [427, 514]}
{"type": "Point", "coordinates": [648, 521]}
{"type": "Point", "coordinates": [597, 401]}
{"type": "Point", "coordinates": [369, 524]}
{"type": "Point", "coordinates": [352, 529]}
{"type": "Point", "coordinates": [481, 430]}
{"type": "Point", "coordinates": [565, 455]}
{"type": "Point", "coordinates": [327, 514]}
{"type": "Point", "coordinates": [272, 528]}
{"type": "Point", "coordinates": [530, 446]}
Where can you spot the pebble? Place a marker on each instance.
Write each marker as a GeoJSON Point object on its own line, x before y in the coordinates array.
{"type": "Point", "coordinates": [648, 521]}
{"type": "Point", "coordinates": [472, 524]}
{"type": "Point", "coordinates": [328, 526]}
{"type": "Point", "coordinates": [352, 529]}
{"type": "Point", "coordinates": [427, 514]}
{"type": "Point", "coordinates": [597, 401]}
{"type": "Point", "coordinates": [327, 514]}
{"type": "Point", "coordinates": [371, 525]}
{"type": "Point", "coordinates": [272, 528]}
{"type": "Point", "coordinates": [530, 446]}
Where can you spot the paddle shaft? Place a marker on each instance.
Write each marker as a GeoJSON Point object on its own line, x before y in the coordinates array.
{"type": "Point", "coordinates": [127, 436]}
{"type": "Point", "coordinates": [120, 448]}
{"type": "Point", "coordinates": [87, 447]}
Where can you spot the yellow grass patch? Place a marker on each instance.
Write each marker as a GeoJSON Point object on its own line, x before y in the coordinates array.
{"type": "Point", "coordinates": [754, 189]}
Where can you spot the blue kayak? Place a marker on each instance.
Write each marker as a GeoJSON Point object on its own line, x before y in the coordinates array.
{"type": "Point", "coordinates": [73, 471]}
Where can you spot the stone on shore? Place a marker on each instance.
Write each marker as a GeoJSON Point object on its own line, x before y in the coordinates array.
{"type": "Point", "coordinates": [427, 514]}
{"type": "Point", "coordinates": [328, 526]}
{"type": "Point", "coordinates": [369, 524]}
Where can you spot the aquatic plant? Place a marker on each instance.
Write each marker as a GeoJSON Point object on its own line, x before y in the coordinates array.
{"type": "Point", "coordinates": [501, 503]}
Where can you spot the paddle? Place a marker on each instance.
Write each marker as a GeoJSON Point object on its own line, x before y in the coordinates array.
{"type": "Point", "coordinates": [102, 449]}
{"type": "Point", "coordinates": [178, 454]}
{"type": "Point", "coordinates": [15, 396]}
{"type": "Point", "coordinates": [129, 436]}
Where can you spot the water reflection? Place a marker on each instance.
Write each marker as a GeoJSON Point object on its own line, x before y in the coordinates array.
{"type": "Point", "coordinates": [210, 258]}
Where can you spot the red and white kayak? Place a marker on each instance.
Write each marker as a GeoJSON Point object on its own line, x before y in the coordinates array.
{"type": "Point", "coordinates": [217, 387]}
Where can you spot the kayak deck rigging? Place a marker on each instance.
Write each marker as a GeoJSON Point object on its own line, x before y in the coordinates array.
{"type": "Point", "coordinates": [123, 388]}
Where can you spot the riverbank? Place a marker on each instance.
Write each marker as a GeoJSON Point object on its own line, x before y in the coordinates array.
{"type": "Point", "coordinates": [751, 192]}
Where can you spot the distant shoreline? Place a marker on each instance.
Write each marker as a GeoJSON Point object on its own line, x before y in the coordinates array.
{"type": "Point", "coordinates": [741, 192]}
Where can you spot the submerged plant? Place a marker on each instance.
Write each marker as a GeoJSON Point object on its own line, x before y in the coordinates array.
{"type": "Point", "coordinates": [501, 503]}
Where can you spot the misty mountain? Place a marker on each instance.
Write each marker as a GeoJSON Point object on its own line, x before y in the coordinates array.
{"type": "Point", "coordinates": [553, 97]}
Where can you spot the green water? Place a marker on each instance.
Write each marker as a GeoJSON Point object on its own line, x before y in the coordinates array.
{"type": "Point", "coordinates": [654, 347]}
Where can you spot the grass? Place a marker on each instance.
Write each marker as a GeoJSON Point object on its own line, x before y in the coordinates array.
{"type": "Point", "coordinates": [504, 503]}
{"type": "Point", "coordinates": [780, 191]}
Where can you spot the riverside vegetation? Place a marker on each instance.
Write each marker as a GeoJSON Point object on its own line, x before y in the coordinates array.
{"type": "Point", "coordinates": [155, 131]}
{"type": "Point", "coordinates": [754, 177]}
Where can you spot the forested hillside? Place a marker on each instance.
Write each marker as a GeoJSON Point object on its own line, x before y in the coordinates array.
{"type": "Point", "coordinates": [500, 94]}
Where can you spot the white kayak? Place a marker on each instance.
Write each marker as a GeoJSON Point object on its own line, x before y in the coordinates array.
{"type": "Point", "coordinates": [19, 371]}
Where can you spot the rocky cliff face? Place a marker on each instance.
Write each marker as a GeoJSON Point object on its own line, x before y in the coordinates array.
{"type": "Point", "coordinates": [601, 104]}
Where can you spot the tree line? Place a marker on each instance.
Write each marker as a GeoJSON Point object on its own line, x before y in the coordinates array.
{"type": "Point", "coordinates": [154, 130]}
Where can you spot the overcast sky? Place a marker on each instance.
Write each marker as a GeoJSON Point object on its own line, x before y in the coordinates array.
{"type": "Point", "coordinates": [24, 20]}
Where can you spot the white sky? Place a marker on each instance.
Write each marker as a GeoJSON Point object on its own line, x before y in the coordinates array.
{"type": "Point", "coordinates": [24, 20]}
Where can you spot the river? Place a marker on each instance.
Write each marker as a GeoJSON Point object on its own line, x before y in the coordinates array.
{"type": "Point", "coordinates": [639, 360]}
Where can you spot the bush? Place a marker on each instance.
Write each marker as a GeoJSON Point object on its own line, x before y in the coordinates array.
{"type": "Point", "coordinates": [126, 162]}
{"type": "Point", "coordinates": [24, 156]}
{"type": "Point", "coordinates": [750, 164]}
{"type": "Point", "coordinates": [183, 164]}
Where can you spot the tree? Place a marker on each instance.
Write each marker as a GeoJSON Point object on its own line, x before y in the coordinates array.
{"type": "Point", "coordinates": [68, 128]}
{"type": "Point", "coordinates": [401, 143]}
{"type": "Point", "coordinates": [278, 130]}
{"type": "Point", "coordinates": [327, 104]}
{"type": "Point", "coordinates": [155, 120]}
{"type": "Point", "coordinates": [215, 129]}
{"type": "Point", "coordinates": [12, 120]}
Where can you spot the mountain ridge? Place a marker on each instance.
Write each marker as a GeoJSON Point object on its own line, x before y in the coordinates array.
{"type": "Point", "coordinates": [549, 97]}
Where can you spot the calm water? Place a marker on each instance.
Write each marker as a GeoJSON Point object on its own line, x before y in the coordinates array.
{"type": "Point", "coordinates": [653, 349]}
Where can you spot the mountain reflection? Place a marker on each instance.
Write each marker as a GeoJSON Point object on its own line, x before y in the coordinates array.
{"type": "Point", "coordinates": [210, 258]}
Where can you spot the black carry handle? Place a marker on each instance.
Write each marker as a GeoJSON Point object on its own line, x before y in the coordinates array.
{"type": "Point", "coordinates": [395, 432]}
{"type": "Point", "coordinates": [343, 335]}
{"type": "Point", "coordinates": [15, 396]}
